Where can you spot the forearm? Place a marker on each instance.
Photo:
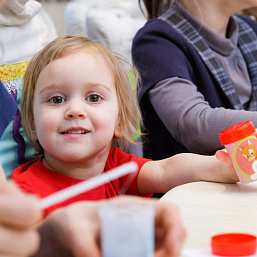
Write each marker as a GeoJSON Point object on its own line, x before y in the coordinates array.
{"type": "Point", "coordinates": [190, 119]}
{"type": "Point", "coordinates": [161, 176]}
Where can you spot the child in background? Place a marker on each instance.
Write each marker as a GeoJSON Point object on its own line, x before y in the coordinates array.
{"type": "Point", "coordinates": [77, 106]}
{"type": "Point", "coordinates": [195, 59]}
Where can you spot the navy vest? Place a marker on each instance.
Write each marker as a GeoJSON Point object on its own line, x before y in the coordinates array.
{"type": "Point", "coordinates": [207, 74]}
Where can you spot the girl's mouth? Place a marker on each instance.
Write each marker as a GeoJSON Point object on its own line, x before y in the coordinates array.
{"type": "Point", "coordinates": [75, 132]}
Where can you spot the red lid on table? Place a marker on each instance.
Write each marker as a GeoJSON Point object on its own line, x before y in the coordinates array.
{"type": "Point", "coordinates": [236, 132]}
{"type": "Point", "coordinates": [233, 244]}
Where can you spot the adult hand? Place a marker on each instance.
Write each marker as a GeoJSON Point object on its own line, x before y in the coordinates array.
{"type": "Point", "coordinates": [75, 230]}
{"type": "Point", "coordinates": [2, 174]}
{"type": "Point", "coordinates": [169, 230]}
{"type": "Point", "coordinates": [71, 231]}
{"type": "Point", "coordinates": [19, 212]}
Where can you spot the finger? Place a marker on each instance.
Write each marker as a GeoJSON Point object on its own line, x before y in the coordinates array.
{"type": "Point", "coordinates": [19, 212]}
{"type": "Point", "coordinates": [223, 156]}
{"type": "Point", "coordinates": [18, 242]}
{"type": "Point", "coordinates": [229, 174]}
{"type": "Point", "coordinates": [17, 208]}
{"type": "Point", "coordinates": [84, 234]}
{"type": "Point", "coordinates": [170, 231]}
{"type": "Point", "coordinates": [87, 245]}
{"type": "Point", "coordinates": [11, 188]}
{"type": "Point", "coordinates": [2, 174]}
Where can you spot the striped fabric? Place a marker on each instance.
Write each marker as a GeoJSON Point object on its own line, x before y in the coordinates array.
{"type": "Point", "coordinates": [247, 43]}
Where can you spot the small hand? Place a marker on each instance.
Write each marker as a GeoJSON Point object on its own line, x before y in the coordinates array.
{"type": "Point", "coordinates": [229, 173]}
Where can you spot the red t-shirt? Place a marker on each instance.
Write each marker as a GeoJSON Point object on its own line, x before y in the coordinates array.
{"type": "Point", "coordinates": [33, 177]}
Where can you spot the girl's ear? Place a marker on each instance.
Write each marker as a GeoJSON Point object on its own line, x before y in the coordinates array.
{"type": "Point", "coordinates": [33, 130]}
{"type": "Point", "coordinates": [118, 131]}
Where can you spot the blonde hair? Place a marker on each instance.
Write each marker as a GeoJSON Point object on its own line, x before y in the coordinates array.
{"type": "Point", "coordinates": [129, 111]}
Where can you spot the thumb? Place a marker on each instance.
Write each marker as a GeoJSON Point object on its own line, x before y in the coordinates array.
{"type": "Point", "coordinates": [223, 156]}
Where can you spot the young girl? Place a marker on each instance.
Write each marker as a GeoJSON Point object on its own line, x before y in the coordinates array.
{"type": "Point", "coordinates": [77, 106]}
{"type": "Point", "coordinates": [198, 65]}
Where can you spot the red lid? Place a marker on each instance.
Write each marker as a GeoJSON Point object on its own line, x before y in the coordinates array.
{"type": "Point", "coordinates": [233, 244]}
{"type": "Point", "coordinates": [236, 132]}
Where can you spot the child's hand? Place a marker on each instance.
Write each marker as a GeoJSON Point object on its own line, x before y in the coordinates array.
{"type": "Point", "coordinates": [223, 156]}
{"type": "Point", "coordinates": [228, 172]}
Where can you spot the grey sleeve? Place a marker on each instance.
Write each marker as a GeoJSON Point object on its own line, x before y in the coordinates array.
{"type": "Point", "coordinates": [189, 118]}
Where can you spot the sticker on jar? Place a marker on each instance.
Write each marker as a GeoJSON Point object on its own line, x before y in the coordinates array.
{"type": "Point", "coordinates": [245, 157]}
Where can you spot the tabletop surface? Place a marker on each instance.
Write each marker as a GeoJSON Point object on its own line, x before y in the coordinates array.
{"type": "Point", "coordinates": [209, 208]}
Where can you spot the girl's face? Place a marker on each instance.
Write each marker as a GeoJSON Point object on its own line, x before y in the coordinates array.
{"type": "Point", "coordinates": [76, 108]}
{"type": "Point", "coordinates": [2, 2]}
{"type": "Point", "coordinates": [243, 4]}
{"type": "Point", "coordinates": [230, 6]}
{"type": "Point", "coordinates": [238, 5]}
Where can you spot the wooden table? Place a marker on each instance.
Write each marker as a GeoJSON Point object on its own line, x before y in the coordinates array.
{"type": "Point", "coordinates": [213, 208]}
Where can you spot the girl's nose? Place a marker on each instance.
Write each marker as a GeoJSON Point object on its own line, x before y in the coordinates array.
{"type": "Point", "coordinates": [75, 110]}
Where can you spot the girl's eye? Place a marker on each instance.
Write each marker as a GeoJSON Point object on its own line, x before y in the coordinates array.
{"type": "Point", "coordinates": [57, 100]}
{"type": "Point", "coordinates": [94, 98]}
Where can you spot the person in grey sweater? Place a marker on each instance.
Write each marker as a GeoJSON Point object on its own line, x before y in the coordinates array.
{"type": "Point", "coordinates": [200, 77]}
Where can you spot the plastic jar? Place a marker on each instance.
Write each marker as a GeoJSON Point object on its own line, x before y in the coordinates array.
{"type": "Point", "coordinates": [241, 144]}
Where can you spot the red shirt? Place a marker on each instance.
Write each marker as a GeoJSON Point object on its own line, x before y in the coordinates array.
{"type": "Point", "coordinates": [33, 177]}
